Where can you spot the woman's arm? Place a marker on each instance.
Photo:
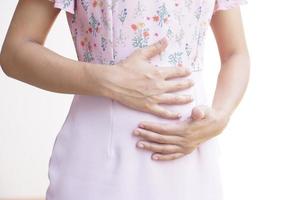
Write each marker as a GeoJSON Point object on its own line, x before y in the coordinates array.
{"type": "Point", "coordinates": [133, 82]}
{"type": "Point", "coordinates": [24, 57]}
{"type": "Point", "coordinates": [235, 62]}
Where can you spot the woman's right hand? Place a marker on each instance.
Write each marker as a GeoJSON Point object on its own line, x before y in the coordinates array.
{"type": "Point", "coordinates": [138, 84]}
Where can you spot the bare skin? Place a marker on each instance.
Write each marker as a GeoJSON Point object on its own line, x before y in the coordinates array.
{"type": "Point", "coordinates": [24, 57]}
{"type": "Point", "coordinates": [174, 140]}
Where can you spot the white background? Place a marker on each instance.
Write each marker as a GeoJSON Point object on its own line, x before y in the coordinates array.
{"type": "Point", "coordinates": [259, 149]}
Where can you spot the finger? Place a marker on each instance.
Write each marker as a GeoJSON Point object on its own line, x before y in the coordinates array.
{"type": "Point", "coordinates": [156, 137]}
{"type": "Point", "coordinates": [160, 148]}
{"type": "Point", "coordinates": [174, 72]}
{"type": "Point", "coordinates": [163, 128]}
{"type": "Point", "coordinates": [154, 49]}
{"type": "Point", "coordinates": [163, 112]}
{"type": "Point", "coordinates": [198, 113]}
{"type": "Point", "coordinates": [169, 99]}
{"type": "Point", "coordinates": [164, 157]}
{"type": "Point", "coordinates": [173, 86]}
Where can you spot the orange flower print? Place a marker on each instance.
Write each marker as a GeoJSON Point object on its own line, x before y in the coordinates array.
{"type": "Point", "coordinates": [146, 33]}
{"type": "Point", "coordinates": [134, 27]}
{"type": "Point", "coordinates": [94, 24]}
{"type": "Point", "coordinates": [94, 3]}
{"type": "Point", "coordinates": [155, 18]}
{"type": "Point", "coordinates": [141, 25]}
{"type": "Point", "coordinates": [162, 15]}
{"type": "Point", "coordinates": [82, 43]}
{"type": "Point", "coordinates": [141, 35]}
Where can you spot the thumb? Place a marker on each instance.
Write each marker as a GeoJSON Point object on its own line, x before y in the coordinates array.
{"type": "Point", "coordinates": [198, 112]}
{"type": "Point", "coordinates": [154, 49]}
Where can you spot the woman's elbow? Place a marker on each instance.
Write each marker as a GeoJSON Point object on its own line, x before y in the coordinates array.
{"type": "Point", "coordinates": [8, 58]}
{"type": "Point", "coordinates": [4, 61]}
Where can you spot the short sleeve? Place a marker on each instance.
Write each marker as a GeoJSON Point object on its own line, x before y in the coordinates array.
{"type": "Point", "coordinates": [66, 5]}
{"type": "Point", "coordinates": [227, 4]}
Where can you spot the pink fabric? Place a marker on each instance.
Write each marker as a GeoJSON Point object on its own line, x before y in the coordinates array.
{"type": "Point", "coordinates": [66, 5]}
{"type": "Point", "coordinates": [95, 155]}
{"type": "Point", "coordinates": [228, 4]}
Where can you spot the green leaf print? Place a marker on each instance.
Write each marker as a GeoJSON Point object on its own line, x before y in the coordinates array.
{"type": "Point", "coordinates": [176, 58]}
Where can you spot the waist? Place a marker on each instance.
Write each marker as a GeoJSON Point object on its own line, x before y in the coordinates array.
{"type": "Point", "coordinates": [100, 107]}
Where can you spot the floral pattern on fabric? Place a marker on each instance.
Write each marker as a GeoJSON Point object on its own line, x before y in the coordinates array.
{"type": "Point", "coordinates": [107, 31]}
{"type": "Point", "coordinates": [67, 5]}
{"type": "Point", "coordinates": [227, 4]}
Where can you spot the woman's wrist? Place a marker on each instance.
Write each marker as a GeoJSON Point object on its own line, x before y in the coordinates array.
{"type": "Point", "coordinates": [96, 76]}
{"type": "Point", "coordinates": [104, 80]}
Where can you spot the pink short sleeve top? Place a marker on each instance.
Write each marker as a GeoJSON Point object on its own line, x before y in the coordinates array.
{"type": "Point", "coordinates": [107, 31]}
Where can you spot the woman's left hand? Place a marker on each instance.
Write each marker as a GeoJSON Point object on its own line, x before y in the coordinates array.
{"type": "Point", "coordinates": [174, 140]}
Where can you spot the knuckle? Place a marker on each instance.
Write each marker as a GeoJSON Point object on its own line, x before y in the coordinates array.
{"type": "Point", "coordinates": [181, 71]}
{"type": "Point", "coordinates": [155, 98]}
{"type": "Point", "coordinates": [163, 128]}
{"type": "Point", "coordinates": [147, 76]}
{"type": "Point", "coordinates": [158, 85]}
{"type": "Point", "coordinates": [159, 73]}
{"type": "Point", "coordinates": [176, 98]}
{"type": "Point", "coordinates": [162, 149]}
{"type": "Point", "coordinates": [183, 141]}
{"type": "Point", "coordinates": [157, 45]}
{"type": "Point", "coordinates": [148, 106]}
{"type": "Point", "coordinates": [180, 84]}
{"type": "Point", "coordinates": [161, 139]}
{"type": "Point", "coordinates": [149, 147]}
{"type": "Point", "coordinates": [176, 71]}
{"type": "Point", "coordinates": [160, 113]}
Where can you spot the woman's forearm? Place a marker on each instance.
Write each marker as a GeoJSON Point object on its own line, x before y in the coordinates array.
{"type": "Point", "coordinates": [32, 63]}
{"type": "Point", "coordinates": [232, 82]}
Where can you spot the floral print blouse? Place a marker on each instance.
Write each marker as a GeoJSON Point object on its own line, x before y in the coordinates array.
{"type": "Point", "coordinates": [106, 31]}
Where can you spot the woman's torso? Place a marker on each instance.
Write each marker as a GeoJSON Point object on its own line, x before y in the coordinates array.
{"type": "Point", "coordinates": [95, 150]}
{"type": "Point", "coordinates": [109, 31]}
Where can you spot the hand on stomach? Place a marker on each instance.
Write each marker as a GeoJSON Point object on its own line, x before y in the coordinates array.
{"type": "Point", "coordinates": [160, 91]}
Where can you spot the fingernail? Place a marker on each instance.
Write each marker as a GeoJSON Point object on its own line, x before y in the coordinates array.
{"type": "Point", "coordinates": [155, 157]}
{"type": "Point", "coordinates": [141, 145]}
{"type": "Point", "coordinates": [163, 40]}
{"type": "Point", "coordinates": [141, 126]}
{"type": "Point", "coordinates": [136, 132]}
{"type": "Point", "coordinates": [178, 115]}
